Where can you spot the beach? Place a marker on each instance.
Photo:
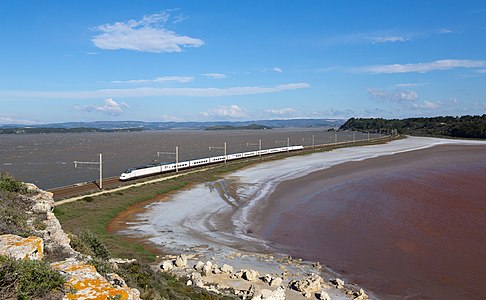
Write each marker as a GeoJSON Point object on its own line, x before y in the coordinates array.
{"type": "Point", "coordinates": [334, 208]}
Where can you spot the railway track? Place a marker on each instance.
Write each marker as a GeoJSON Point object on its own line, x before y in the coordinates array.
{"type": "Point", "coordinates": [84, 188]}
{"type": "Point", "coordinates": [109, 183]}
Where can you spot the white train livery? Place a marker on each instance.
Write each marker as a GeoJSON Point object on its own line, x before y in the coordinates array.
{"type": "Point", "coordinates": [153, 169]}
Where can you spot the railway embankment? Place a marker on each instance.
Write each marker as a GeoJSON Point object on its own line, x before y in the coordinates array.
{"type": "Point", "coordinates": [97, 214]}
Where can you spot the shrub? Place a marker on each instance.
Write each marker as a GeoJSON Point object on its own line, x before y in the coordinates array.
{"type": "Point", "coordinates": [161, 285]}
{"type": "Point", "coordinates": [13, 219]}
{"type": "Point", "coordinates": [26, 279]}
{"type": "Point", "coordinates": [87, 243]}
{"type": "Point", "coordinates": [9, 184]}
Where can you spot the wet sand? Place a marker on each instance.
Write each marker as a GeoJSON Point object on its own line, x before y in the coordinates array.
{"type": "Point", "coordinates": [409, 225]}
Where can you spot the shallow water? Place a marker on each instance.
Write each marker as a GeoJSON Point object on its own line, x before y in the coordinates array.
{"type": "Point", "coordinates": [415, 233]}
{"type": "Point", "coordinates": [201, 218]}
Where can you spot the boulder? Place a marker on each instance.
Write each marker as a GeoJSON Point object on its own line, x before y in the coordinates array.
{"type": "Point", "coordinates": [361, 295]}
{"type": "Point", "coordinates": [196, 279]}
{"type": "Point", "coordinates": [324, 296]}
{"type": "Point", "coordinates": [207, 268]}
{"type": "Point", "coordinates": [264, 294]}
{"type": "Point", "coordinates": [181, 261]}
{"type": "Point", "coordinates": [84, 282]}
{"type": "Point", "coordinates": [227, 269]}
{"type": "Point", "coordinates": [276, 281]}
{"type": "Point", "coordinates": [307, 286]}
{"type": "Point", "coordinates": [267, 278]}
{"type": "Point", "coordinates": [17, 247]}
{"type": "Point", "coordinates": [167, 265]}
{"type": "Point", "coordinates": [216, 269]}
{"type": "Point", "coordinates": [249, 275]}
{"type": "Point", "coordinates": [199, 266]}
{"type": "Point", "coordinates": [338, 283]}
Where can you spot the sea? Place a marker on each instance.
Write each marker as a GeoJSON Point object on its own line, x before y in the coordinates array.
{"type": "Point", "coordinates": [47, 159]}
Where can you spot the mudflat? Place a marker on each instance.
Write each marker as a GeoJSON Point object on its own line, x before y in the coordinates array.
{"type": "Point", "coordinates": [409, 225]}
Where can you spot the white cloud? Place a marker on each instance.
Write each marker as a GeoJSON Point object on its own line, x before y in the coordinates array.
{"type": "Point", "coordinates": [13, 120]}
{"type": "Point", "coordinates": [180, 79]}
{"type": "Point", "coordinates": [233, 112]}
{"type": "Point", "coordinates": [387, 39]}
{"type": "Point", "coordinates": [273, 69]}
{"type": "Point", "coordinates": [145, 35]}
{"type": "Point", "coordinates": [445, 64]}
{"type": "Point", "coordinates": [400, 85]}
{"type": "Point", "coordinates": [153, 92]}
{"type": "Point", "coordinates": [428, 105]}
{"type": "Point", "coordinates": [110, 107]}
{"type": "Point", "coordinates": [179, 18]}
{"type": "Point", "coordinates": [288, 111]}
{"type": "Point", "coordinates": [215, 75]}
{"type": "Point", "coordinates": [399, 95]}
{"type": "Point", "coordinates": [446, 31]}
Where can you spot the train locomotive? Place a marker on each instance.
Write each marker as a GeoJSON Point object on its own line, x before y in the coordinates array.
{"type": "Point", "coordinates": [154, 169]}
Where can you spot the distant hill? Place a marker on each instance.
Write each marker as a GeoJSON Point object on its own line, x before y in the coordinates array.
{"type": "Point", "coordinates": [139, 125]}
{"type": "Point", "coordinates": [17, 130]}
{"type": "Point", "coordinates": [462, 127]}
{"type": "Point", "coordinates": [247, 127]}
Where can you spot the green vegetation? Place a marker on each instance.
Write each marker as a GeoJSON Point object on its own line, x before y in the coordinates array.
{"type": "Point", "coordinates": [28, 130]}
{"type": "Point", "coordinates": [247, 127]}
{"type": "Point", "coordinates": [151, 284]}
{"type": "Point", "coordinates": [161, 285]}
{"type": "Point", "coordinates": [13, 219]}
{"type": "Point", "coordinates": [96, 215]}
{"type": "Point", "coordinates": [26, 279]}
{"type": "Point", "coordinates": [459, 127]}
{"type": "Point", "coordinates": [10, 185]}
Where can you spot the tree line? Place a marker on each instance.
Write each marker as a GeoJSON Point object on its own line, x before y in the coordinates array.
{"type": "Point", "coordinates": [448, 126]}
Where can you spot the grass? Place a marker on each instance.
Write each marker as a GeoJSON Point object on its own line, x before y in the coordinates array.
{"type": "Point", "coordinates": [95, 214]}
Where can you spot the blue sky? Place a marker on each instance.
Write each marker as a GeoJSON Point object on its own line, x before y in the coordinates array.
{"type": "Point", "coordinates": [240, 60]}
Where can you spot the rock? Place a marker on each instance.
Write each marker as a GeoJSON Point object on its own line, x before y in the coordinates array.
{"type": "Point", "coordinates": [264, 294]}
{"type": "Point", "coordinates": [267, 278]}
{"type": "Point", "coordinates": [212, 289]}
{"type": "Point", "coordinates": [115, 280]}
{"type": "Point", "coordinates": [216, 269]}
{"type": "Point", "coordinates": [84, 282]}
{"type": "Point", "coordinates": [167, 265]}
{"type": "Point", "coordinates": [227, 269]}
{"type": "Point", "coordinates": [189, 282]}
{"type": "Point", "coordinates": [208, 267]}
{"type": "Point", "coordinates": [249, 275]}
{"type": "Point", "coordinates": [276, 281]}
{"type": "Point", "coordinates": [248, 293]}
{"type": "Point", "coordinates": [17, 247]}
{"type": "Point", "coordinates": [308, 285]}
{"type": "Point", "coordinates": [181, 261]}
{"type": "Point", "coordinates": [196, 279]}
{"type": "Point", "coordinates": [324, 296]}
{"type": "Point", "coordinates": [53, 235]}
{"type": "Point", "coordinates": [361, 295]}
{"type": "Point", "coordinates": [199, 266]}
{"type": "Point", "coordinates": [338, 283]}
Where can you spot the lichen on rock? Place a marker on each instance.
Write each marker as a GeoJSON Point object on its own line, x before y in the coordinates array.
{"type": "Point", "coordinates": [17, 247]}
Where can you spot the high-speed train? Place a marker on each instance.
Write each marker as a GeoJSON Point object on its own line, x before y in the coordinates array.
{"type": "Point", "coordinates": [153, 169]}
